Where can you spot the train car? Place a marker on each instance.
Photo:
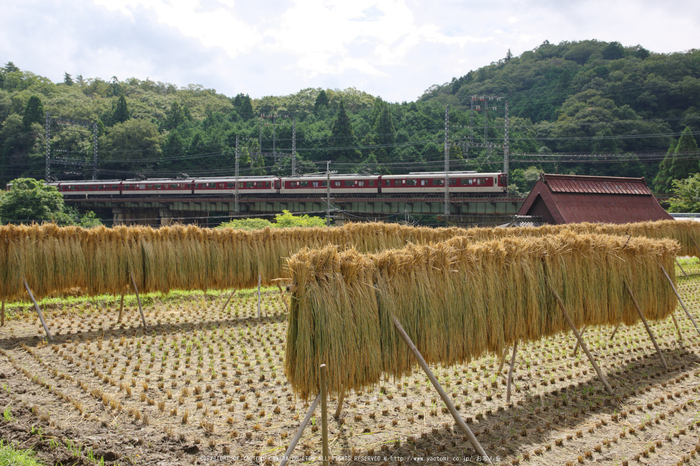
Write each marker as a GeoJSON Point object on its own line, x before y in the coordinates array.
{"type": "Point", "coordinates": [434, 182]}
{"type": "Point", "coordinates": [340, 184]}
{"type": "Point", "coordinates": [89, 188]}
{"type": "Point", "coordinates": [246, 185]}
{"type": "Point", "coordinates": [157, 186]}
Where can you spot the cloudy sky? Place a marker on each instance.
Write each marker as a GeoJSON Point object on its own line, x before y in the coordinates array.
{"type": "Point", "coordinates": [395, 49]}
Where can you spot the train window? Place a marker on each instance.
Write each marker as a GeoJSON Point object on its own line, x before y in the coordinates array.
{"type": "Point", "coordinates": [423, 182]}
{"type": "Point", "coordinates": [230, 185]}
{"type": "Point", "coordinates": [304, 184]}
{"type": "Point", "coordinates": [411, 182]}
{"type": "Point", "coordinates": [371, 183]}
{"type": "Point", "coordinates": [349, 183]}
{"type": "Point", "coordinates": [249, 184]}
{"type": "Point", "coordinates": [315, 184]}
{"type": "Point", "coordinates": [211, 185]}
{"type": "Point", "coordinates": [72, 188]}
{"type": "Point", "coordinates": [142, 186]}
{"type": "Point", "coordinates": [438, 182]}
{"type": "Point", "coordinates": [482, 181]}
{"type": "Point", "coordinates": [360, 183]}
{"type": "Point", "coordinates": [387, 182]}
{"type": "Point", "coordinates": [267, 184]}
{"type": "Point", "coordinates": [336, 184]}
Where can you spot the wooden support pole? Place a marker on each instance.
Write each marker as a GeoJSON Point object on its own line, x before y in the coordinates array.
{"type": "Point", "coordinates": [503, 360]}
{"type": "Point", "coordinates": [38, 310]}
{"type": "Point", "coordinates": [259, 298]}
{"type": "Point", "coordinates": [675, 322]}
{"type": "Point", "coordinates": [510, 371]}
{"type": "Point", "coordinates": [138, 300]}
{"type": "Point", "coordinates": [339, 409]}
{"type": "Point", "coordinates": [2, 314]}
{"type": "Point", "coordinates": [583, 330]}
{"type": "Point", "coordinates": [121, 307]}
{"type": "Point", "coordinates": [580, 340]}
{"type": "Point", "coordinates": [695, 243]}
{"type": "Point", "coordinates": [282, 297]}
{"type": "Point", "coordinates": [646, 325]}
{"type": "Point", "coordinates": [441, 391]}
{"type": "Point", "coordinates": [228, 301]}
{"type": "Point", "coordinates": [300, 431]}
{"type": "Point", "coordinates": [324, 415]}
{"type": "Point", "coordinates": [615, 331]}
{"type": "Point", "coordinates": [679, 298]}
{"type": "Point", "coordinates": [679, 266]}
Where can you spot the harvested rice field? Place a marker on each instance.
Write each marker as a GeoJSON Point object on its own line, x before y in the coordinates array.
{"type": "Point", "coordinates": [206, 386]}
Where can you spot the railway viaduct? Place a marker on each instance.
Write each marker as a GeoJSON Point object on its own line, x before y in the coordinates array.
{"type": "Point", "coordinates": [211, 210]}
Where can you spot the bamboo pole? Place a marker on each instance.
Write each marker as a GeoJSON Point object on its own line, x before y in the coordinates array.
{"type": "Point", "coordinates": [339, 409]}
{"type": "Point", "coordinates": [580, 340]}
{"type": "Point", "coordinates": [510, 371]}
{"type": "Point", "coordinates": [675, 322]}
{"type": "Point", "coordinates": [646, 325]}
{"type": "Point", "coordinates": [259, 297]}
{"type": "Point", "coordinates": [679, 266]}
{"type": "Point", "coordinates": [583, 330]}
{"type": "Point", "coordinates": [324, 415]}
{"type": "Point", "coordinates": [300, 431]}
{"type": "Point", "coordinates": [615, 331]}
{"type": "Point", "coordinates": [282, 296]}
{"type": "Point", "coordinates": [38, 310]}
{"type": "Point", "coordinates": [138, 300]}
{"type": "Point", "coordinates": [2, 314]}
{"type": "Point", "coordinates": [121, 307]}
{"type": "Point", "coordinates": [679, 298]}
{"type": "Point", "coordinates": [441, 391]}
{"type": "Point", "coordinates": [696, 244]}
{"type": "Point", "coordinates": [503, 360]}
{"type": "Point", "coordinates": [228, 301]}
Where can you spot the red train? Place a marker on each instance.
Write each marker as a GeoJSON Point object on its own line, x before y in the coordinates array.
{"type": "Point", "coordinates": [411, 183]}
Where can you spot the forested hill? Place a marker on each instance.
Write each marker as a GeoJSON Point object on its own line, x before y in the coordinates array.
{"type": "Point", "coordinates": [585, 107]}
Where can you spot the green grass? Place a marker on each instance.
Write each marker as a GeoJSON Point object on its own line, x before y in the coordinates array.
{"type": "Point", "coordinates": [19, 307]}
{"type": "Point", "coordinates": [11, 457]}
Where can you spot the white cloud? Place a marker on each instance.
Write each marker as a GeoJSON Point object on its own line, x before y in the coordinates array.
{"type": "Point", "coordinates": [213, 27]}
{"type": "Point", "coordinates": [392, 48]}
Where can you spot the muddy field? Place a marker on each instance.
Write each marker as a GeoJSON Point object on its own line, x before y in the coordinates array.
{"type": "Point", "coordinates": [206, 386]}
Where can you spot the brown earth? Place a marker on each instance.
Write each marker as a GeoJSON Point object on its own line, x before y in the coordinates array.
{"type": "Point", "coordinates": [206, 386]}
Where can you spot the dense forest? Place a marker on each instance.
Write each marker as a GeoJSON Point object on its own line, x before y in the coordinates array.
{"type": "Point", "coordinates": [586, 107]}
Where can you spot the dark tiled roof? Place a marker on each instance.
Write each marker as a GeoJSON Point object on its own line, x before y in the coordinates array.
{"type": "Point", "coordinates": [596, 184]}
{"type": "Point", "coordinates": [573, 199]}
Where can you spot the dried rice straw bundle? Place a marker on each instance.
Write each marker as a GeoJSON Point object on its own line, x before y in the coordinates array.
{"type": "Point", "coordinates": [458, 300]}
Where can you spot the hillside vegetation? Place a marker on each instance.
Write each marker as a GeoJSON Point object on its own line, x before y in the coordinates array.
{"type": "Point", "coordinates": [618, 110]}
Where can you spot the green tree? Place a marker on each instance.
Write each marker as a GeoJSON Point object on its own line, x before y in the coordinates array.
{"type": "Point", "coordinates": [133, 146]}
{"type": "Point", "coordinates": [247, 224]}
{"type": "Point", "coordinates": [287, 220]}
{"type": "Point", "coordinates": [121, 111]}
{"type": "Point", "coordinates": [343, 140]}
{"type": "Point", "coordinates": [30, 201]}
{"type": "Point", "coordinates": [662, 181]}
{"type": "Point", "coordinates": [686, 195]}
{"type": "Point", "coordinates": [684, 161]}
{"type": "Point", "coordinates": [174, 117]}
{"type": "Point", "coordinates": [243, 106]}
{"type": "Point", "coordinates": [68, 79]}
{"type": "Point", "coordinates": [384, 135]}
{"type": "Point", "coordinates": [321, 102]}
{"type": "Point", "coordinates": [33, 112]}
